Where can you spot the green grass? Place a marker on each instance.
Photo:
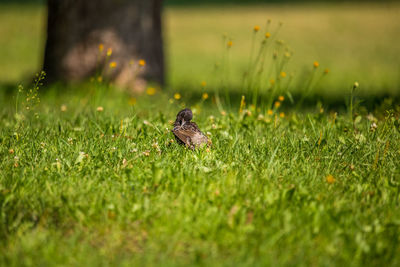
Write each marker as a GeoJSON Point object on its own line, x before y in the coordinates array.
{"type": "Point", "coordinates": [355, 41]}
{"type": "Point", "coordinates": [77, 188]}
{"type": "Point", "coordinates": [310, 184]}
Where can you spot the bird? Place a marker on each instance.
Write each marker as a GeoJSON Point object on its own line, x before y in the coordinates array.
{"type": "Point", "coordinates": [187, 132]}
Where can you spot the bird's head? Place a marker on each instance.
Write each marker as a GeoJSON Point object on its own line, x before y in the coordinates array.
{"type": "Point", "coordinates": [185, 115]}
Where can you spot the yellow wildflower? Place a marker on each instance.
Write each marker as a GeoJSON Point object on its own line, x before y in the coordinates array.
{"type": "Point", "coordinates": [151, 91]}
{"type": "Point", "coordinates": [177, 96]}
{"type": "Point", "coordinates": [256, 28]}
{"type": "Point", "coordinates": [204, 96]}
{"type": "Point", "coordinates": [63, 108]}
{"type": "Point", "coordinates": [277, 104]}
{"type": "Point", "coordinates": [283, 74]}
{"type": "Point", "coordinates": [267, 35]}
{"type": "Point", "coordinates": [113, 64]}
{"type": "Point", "coordinates": [101, 47]}
{"type": "Point", "coordinates": [142, 62]}
{"type": "Point", "coordinates": [270, 112]}
{"type": "Point", "coordinates": [109, 52]}
{"type": "Point", "coordinates": [229, 44]}
{"type": "Point", "coordinates": [356, 84]}
{"type": "Point", "coordinates": [330, 179]}
{"type": "Point", "coordinates": [100, 109]}
{"type": "Point", "coordinates": [11, 151]}
{"type": "Point", "coordinates": [281, 98]}
{"type": "Point", "coordinates": [316, 64]}
{"type": "Point", "coordinates": [203, 83]}
{"type": "Point", "coordinates": [100, 79]}
{"type": "Point", "coordinates": [272, 81]}
{"type": "Point", "coordinates": [282, 114]}
{"type": "Point", "coordinates": [326, 71]}
{"type": "Point", "coordinates": [132, 101]}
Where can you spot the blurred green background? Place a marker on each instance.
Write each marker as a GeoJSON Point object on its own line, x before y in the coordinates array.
{"type": "Point", "coordinates": [356, 41]}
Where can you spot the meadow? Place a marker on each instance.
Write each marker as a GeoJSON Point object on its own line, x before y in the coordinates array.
{"type": "Point", "coordinates": [91, 175]}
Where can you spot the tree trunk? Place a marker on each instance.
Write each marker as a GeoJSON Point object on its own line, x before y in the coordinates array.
{"type": "Point", "coordinates": [77, 29]}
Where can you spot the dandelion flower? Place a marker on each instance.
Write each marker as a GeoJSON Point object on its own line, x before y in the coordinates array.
{"type": "Point", "coordinates": [281, 98]}
{"type": "Point", "coordinates": [142, 62]}
{"type": "Point", "coordinates": [229, 44]}
{"type": "Point", "coordinates": [203, 84]}
{"type": "Point", "coordinates": [63, 108]}
{"type": "Point", "coordinates": [326, 71]}
{"type": "Point", "coordinates": [132, 101]}
{"type": "Point", "coordinates": [270, 112]}
{"type": "Point", "coordinates": [151, 91]}
{"type": "Point", "coordinates": [256, 28]}
{"type": "Point", "coordinates": [330, 179]}
{"type": "Point", "coordinates": [100, 79]}
{"type": "Point", "coordinates": [283, 74]}
{"type": "Point", "coordinates": [109, 52]}
{"type": "Point", "coordinates": [356, 84]}
{"type": "Point", "coordinates": [113, 64]}
{"type": "Point", "coordinates": [272, 81]}
{"type": "Point", "coordinates": [177, 96]}
{"type": "Point", "coordinates": [316, 64]}
{"type": "Point", "coordinates": [282, 114]}
{"type": "Point", "coordinates": [101, 47]}
{"type": "Point", "coordinates": [277, 104]}
{"type": "Point", "coordinates": [267, 35]}
{"type": "Point", "coordinates": [100, 109]}
{"type": "Point", "coordinates": [204, 96]}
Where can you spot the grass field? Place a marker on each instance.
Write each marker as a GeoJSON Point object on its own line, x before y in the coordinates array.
{"type": "Point", "coordinates": [356, 42]}
{"type": "Point", "coordinates": [83, 185]}
{"type": "Point", "coordinates": [91, 176]}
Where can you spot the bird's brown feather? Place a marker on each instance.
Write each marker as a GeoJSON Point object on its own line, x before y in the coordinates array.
{"type": "Point", "coordinates": [190, 135]}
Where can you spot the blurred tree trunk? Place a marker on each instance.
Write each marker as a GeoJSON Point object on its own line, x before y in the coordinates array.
{"type": "Point", "coordinates": [131, 28]}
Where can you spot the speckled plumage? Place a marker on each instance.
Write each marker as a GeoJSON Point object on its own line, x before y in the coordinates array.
{"type": "Point", "coordinates": [187, 132]}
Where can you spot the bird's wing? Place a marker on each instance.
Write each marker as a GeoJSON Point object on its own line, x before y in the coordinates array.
{"type": "Point", "coordinates": [198, 137]}
{"type": "Point", "coordinates": [190, 135]}
{"type": "Point", "coordinates": [184, 135]}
